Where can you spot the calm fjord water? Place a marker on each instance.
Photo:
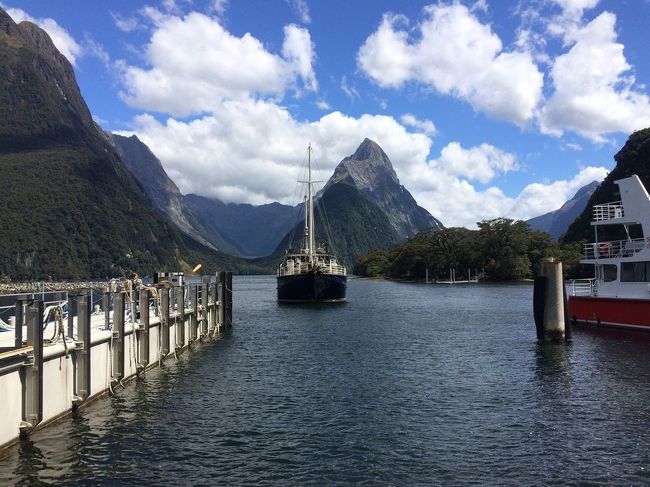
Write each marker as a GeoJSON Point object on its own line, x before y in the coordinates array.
{"type": "Point", "coordinates": [405, 384]}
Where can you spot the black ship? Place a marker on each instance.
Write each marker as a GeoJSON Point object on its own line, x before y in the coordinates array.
{"type": "Point", "coordinates": [312, 274]}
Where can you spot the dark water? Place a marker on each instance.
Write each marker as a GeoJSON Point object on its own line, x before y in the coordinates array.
{"type": "Point", "coordinates": [403, 385]}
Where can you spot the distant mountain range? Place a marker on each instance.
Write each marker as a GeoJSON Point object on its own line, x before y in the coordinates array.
{"type": "Point", "coordinates": [378, 211]}
{"type": "Point", "coordinates": [77, 202]}
{"type": "Point", "coordinates": [557, 222]}
{"type": "Point", "coordinates": [69, 206]}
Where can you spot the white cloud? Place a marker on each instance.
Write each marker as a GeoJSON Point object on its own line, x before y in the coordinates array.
{"type": "Point", "coordinates": [63, 41]}
{"type": "Point", "coordinates": [323, 105]}
{"type": "Point", "coordinates": [481, 163]}
{"type": "Point", "coordinates": [251, 151]}
{"type": "Point", "coordinates": [298, 50]}
{"type": "Point", "coordinates": [456, 55]}
{"type": "Point", "coordinates": [195, 64]}
{"type": "Point", "coordinates": [125, 24]}
{"type": "Point", "coordinates": [302, 9]}
{"type": "Point", "coordinates": [595, 91]}
{"type": "Point", "coordinates": [350, 91]}
{"type": "Point", "coordinates": [427, 127]}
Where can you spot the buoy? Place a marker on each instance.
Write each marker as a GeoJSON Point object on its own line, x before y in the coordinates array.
{"type": "Point", "coordinates": [197, 267]}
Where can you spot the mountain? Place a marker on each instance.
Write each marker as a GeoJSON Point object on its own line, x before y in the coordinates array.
{"type": "Point", "coordinates": [556, 222]}
{"type": "Point", "coordinates": [370, 171]}
{"type": "Point", "coordinates": [69, 207]}
{"type": "Point", "coordinates": [249, 230]}
{"type": "Point", "coordinates": [236, 229]}
{"type": "Point", "coordinates": [633, 158]}
{"type": "Point", "coordinates": [352, 224]}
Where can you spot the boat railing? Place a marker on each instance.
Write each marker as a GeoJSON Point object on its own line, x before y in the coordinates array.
{"type": "Point", "coordinates": [608, 211]}
{"type": "Point", "coordinates": [330, 268]}
{"type": "Point", "coordinates": [613, 249]}
{"type": "Point", "coordinates": [583, 287]}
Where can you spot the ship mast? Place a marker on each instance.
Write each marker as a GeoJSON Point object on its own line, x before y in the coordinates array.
{"type": "Point", "coordinates": [311, 248]}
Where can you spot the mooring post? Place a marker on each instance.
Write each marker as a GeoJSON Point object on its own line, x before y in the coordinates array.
{"type": "Point", "coordinates": [82, 350]}
{"type": "Point", "coordinates": [118, 336]}
{"type": "Point", "coordinates": [551, 313]}
{"type": "Point", "coordinates": [180, 316]}
{"type": "Point", "coordinates": [221, 292]}
{"type": "Point", "coordinates": [163, 292]}
{"type": "Point", "coordinates": [143, 330]}
{"type": "Point", "coordinates": [33, 378]}
{"type": "Point", "coordinates": [229, 299]}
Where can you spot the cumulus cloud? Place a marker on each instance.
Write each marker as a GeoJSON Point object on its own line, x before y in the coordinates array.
{"type": "Point", "coordinates": [251, 151]}
{"type": "Point", "coordinates": [63, 41]}
{"type": "Point", "coordinates": [481, 163]}
{"type": "Point", "coordinates": [456, 55]}
{"type": "Point", "coordinates": [595, 90]}
{"type": "Point", "coordinates": [427, 127]}
{"type": "Point", "coordinates": [195, 64]}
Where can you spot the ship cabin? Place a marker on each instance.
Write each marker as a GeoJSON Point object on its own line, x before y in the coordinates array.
{"type": "Point", "coordinates": [622, 266]}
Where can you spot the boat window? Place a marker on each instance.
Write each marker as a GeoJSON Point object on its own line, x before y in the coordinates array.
{"type": "Point", "coordinates": [609, 273]}
{"type": "Point", "coordinates": [635, 272]}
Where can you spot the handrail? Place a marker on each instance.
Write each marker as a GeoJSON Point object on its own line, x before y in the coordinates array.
{"type": "Point", "coordinates": [608, 211]}
{"type": "Point", "coordinates": [583, 287]}
{"type": "Point", "coordinates": [613, 249]}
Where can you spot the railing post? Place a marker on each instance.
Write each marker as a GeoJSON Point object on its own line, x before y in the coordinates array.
{"type": "Point", "coordinates": [82, 349]}
{"type": "Point", "coordinates": [33, 378]}
{"type": "Point", "coordinates": [118, 336]}
{"type": "Point", "coordinates": [144, 330]}
{"type": "Point", "coordinates": [164, 319]}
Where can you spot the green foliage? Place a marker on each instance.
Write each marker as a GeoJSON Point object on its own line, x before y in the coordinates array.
{"type": "Point", "coordinates": [505, 249]}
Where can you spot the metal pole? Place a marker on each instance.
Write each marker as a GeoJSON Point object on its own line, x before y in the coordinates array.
{"type": "Point", "coordinates": [144, 329]}
{"type": "Point", "coordinates": [33, 399]}
{"type": "Point", "coordinates": [82, 349]}
{"type": "Point", "coordinates": [118, 335]}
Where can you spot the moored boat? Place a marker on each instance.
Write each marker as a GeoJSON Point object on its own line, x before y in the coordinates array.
{"type": "Point", "coordinates": [619, 293]}
{"type": "Point", "coordinates": [311, 274]}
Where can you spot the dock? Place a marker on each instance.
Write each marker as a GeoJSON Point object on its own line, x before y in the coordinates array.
{"type": "Point", "coordinates": [51, 367]}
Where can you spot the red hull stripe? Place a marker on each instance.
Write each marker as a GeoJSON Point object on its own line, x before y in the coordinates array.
{"type": "Point", "coordinates": [613, 311]}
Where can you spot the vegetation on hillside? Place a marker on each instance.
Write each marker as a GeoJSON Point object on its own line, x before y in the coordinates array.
{"type": "Point", "coordinates": [502, 248]}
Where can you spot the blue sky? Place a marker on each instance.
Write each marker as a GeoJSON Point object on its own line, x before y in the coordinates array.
{"type": "Point", "coordinates": [485, 108]}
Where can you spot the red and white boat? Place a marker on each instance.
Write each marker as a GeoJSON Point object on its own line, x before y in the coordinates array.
{"type": "Point", "coordinates": [619, 294]}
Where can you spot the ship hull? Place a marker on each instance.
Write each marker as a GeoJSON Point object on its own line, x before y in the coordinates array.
{"type": "Point", "coordinates": [312, 287]}
{"type": "Point", "coordinates": [614, 312]}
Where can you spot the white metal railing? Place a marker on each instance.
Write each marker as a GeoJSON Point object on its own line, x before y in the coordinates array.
{"type": "Point", "coordinates": [331, 267]}
{"type": "Point", "coordinates": [616, 248]}
{"type": "Point", "coordinates": [608, 211]}
{"type": "Point", "coordinates": [583, 287]}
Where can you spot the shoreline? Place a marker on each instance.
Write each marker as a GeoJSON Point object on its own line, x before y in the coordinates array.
{"type": "Point", "coordinates": [50, 286]}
